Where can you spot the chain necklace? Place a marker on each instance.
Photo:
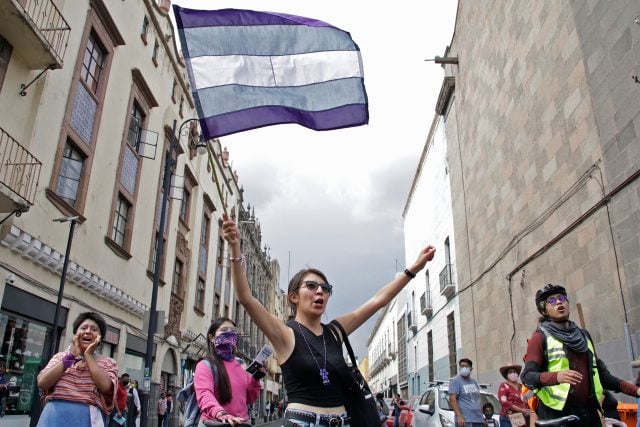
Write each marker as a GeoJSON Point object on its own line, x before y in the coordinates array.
{"type": "Point", "coordinates": [324, 374]}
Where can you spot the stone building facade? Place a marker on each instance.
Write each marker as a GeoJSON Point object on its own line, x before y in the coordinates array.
{"type": "Point", "coordinates": [106, 91]}
{"type": "Point", "coordinates": [544, 118]}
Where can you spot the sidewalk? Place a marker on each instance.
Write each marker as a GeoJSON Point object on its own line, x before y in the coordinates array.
{"type": "Point", "coordinates": [15, 421]}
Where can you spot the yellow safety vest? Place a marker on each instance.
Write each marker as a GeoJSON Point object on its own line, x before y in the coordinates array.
{"type": "Point", "coordinates": [555, 396]}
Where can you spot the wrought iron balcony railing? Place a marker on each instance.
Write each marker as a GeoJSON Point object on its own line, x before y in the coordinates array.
{"type": "Point", "coordinates": [426, 306]}
{"type": "Point", "coordinates": [447, 287]}
{"type": "Point", "coordinates": [19, 171]}
{"type": "Point", "coordinates": [48, 20]}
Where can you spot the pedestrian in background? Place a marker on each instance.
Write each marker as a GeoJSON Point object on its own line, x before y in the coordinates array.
{"type": "Point", "coordinates": [79, 385]}
{"type": "Point", "coordinates": [383, 408]}
{"type": "Point", "coordinates": [464, 397]}
{"type": "Point", "coordinates": [309, 352]}
{"type": "Point", "coordinates": [513, 411]}
{"type": "Point", "coordinates": [162, 408]}
{"type": "Point", "coordinates": [119, 414]}
{"type": "Point", "coordinates": [133, 403]}
{"type": "Point", "coordinates": [488, 411]}
{"type": "Point", "coordinates": [227, 396]}
{"type": "Point", "coordinates": [167, 415]}
{"type": "Point", "coordinates": [397, 403]}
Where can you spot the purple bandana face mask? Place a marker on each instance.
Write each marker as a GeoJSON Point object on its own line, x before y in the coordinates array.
{"type": "Point", "coordinates": [225, 344]}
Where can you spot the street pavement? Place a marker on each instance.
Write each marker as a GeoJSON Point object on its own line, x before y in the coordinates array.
{"type": "Point", "coordinates": [276, 423]}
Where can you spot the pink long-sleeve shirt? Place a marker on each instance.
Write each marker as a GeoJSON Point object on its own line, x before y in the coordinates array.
{"type": "Point", "coordinates": [244, 391]}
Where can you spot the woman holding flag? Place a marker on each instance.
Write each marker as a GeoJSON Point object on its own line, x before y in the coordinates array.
{"type": "Point", "coordinates": [309, 354]}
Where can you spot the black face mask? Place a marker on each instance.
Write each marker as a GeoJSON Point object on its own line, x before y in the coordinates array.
{"type": "Point", "coordinates": [488, 415]}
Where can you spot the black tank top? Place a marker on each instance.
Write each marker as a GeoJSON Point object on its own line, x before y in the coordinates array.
{"type": "Point", "coordinates": [300, 372]}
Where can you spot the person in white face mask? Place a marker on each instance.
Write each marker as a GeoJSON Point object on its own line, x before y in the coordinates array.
{"type": "Point", "coordinates": [514, 412]}
{"type": "Point", "coordinates": [464, 397]}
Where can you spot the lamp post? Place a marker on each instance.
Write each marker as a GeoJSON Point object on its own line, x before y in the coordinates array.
{"type": "Point", "coordinates": [36, 403]}
{"type": "Point", "coordinates": [53, 345]}
{"type": "Point", "coordinates": [201, 148]}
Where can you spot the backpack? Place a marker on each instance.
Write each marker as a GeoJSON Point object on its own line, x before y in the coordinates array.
{"type": "Point", "coordinates": [187, 396]}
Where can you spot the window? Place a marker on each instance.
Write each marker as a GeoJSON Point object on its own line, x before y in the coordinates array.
{"type": "Point", "coordinates": [430, 355]}
{"type": "Point", "coordinates": [174, 91]}
{"type": "Point", "coordinates": [92, 63]}
{"type": "Point", "coordinates": [402, 348]}
{"type": "Point", "coordinates": [202, 260]}
{"type": "Point", "coordinates": [220, 249]}
{"type": "Point", "coordinates": [70, 174]}
{"type": "Point", "coordinates": [69, 178]}
{"type": "Point", "coordinates": [176, 283]}
{"type": "Point", "coordinates": [145, 29]}
{"type": "Point", "coordinates": [162, 234]}
{"type": "Point", "coordinates": [216, 305]}
{"type": "Point", "coordinates": [154, 58]}
{"type": "Point", "coordinates": [184, 205]}
{"type": "Point", "coordinates": [200, 294]}
{"type": "Point", "coordinates": [135, 126]}
{"type": "Point", "coordinates": [23, 341]}
{"type": "Point", "coordinates": [130, 162]}
{"type": "Point", "coordinates": [447, 251]}
{"type": "Point", "coordinates": [204, 246]}
{"type": "Point", "coordinates": [120, 220]}
{"type": "Point", "coordinates": [5, 56]}
{"type": "Point", "coordinates": [451, 336]}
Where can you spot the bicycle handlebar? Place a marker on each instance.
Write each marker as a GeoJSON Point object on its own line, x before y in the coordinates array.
{"type": "Point", "coordinates": [569, 420]}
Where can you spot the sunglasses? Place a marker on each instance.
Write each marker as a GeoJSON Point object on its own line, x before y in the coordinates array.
{"type": "Point", "coordinates": [312, 286]}
{"type": "Point", "coordinates": [556, 300]}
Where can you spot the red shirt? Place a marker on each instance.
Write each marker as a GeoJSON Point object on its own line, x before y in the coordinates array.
{"type": "Point", "coordinates": [509, 397]}
{"type": "Point", "coordinates": [121, 397]}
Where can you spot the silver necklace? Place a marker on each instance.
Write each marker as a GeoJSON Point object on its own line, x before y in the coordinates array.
{"type": "Point", "coordinates": [324, 374]}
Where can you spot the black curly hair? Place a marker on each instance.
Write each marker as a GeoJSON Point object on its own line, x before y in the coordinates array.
{"type": "Point", "coordinates": [91, 315]}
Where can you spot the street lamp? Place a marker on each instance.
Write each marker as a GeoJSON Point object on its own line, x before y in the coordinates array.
{"type": "Point", "coordinates": [36, 403]}
{"type": "Point", "coordinates": [53, 344]}
{"type": "Point", "coordinates": [201, 148]}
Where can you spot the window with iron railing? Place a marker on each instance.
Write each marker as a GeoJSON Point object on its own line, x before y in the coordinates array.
{"type": "Point", "coordinates": [446, 277]}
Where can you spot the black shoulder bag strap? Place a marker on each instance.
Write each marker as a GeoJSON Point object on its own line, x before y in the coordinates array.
{"type": "Point", "coordinates": [345, 339]}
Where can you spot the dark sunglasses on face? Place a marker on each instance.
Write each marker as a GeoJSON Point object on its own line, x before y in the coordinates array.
{"type": "Point", "coordinates": [312, 286]}
{"type": "Point", "coordinates": [556, 300]}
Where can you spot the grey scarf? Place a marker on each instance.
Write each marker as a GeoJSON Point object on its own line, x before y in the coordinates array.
{"type": "Point", "coordinates": [571, 336]}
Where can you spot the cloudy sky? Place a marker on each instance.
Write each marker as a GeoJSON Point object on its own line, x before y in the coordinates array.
{"type": "Point", "coordinates": [334, 200]}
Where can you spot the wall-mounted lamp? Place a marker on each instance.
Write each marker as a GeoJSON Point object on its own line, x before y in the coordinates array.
{"type": "Point", "coordinates": [201, 147]}
{"type": "Point", "coordinates": [444, 60]}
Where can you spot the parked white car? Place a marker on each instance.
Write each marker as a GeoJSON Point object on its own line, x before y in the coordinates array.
{"type": "Point", "coordinates": [434, 409]}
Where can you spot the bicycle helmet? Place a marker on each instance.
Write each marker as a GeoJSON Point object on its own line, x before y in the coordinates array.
{"type": "Point", "coordinates": [544, 293]}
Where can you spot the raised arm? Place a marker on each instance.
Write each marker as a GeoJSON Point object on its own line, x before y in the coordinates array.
{"type": "Point", "coordinates": [279, 335]}
{"type": "Point", "coordinates": [50, 375]}
{"type": "Point", "coordinates": [352, 321]}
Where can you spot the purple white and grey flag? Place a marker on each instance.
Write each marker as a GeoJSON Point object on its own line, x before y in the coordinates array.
{"type": "Point", "coordinates": [251, 69]}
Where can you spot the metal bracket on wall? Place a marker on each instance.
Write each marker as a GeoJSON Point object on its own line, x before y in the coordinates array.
{"type": "Point", "coordinates": [636, 79]}
{"type": "Point", "coordinates": [23, 87]}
